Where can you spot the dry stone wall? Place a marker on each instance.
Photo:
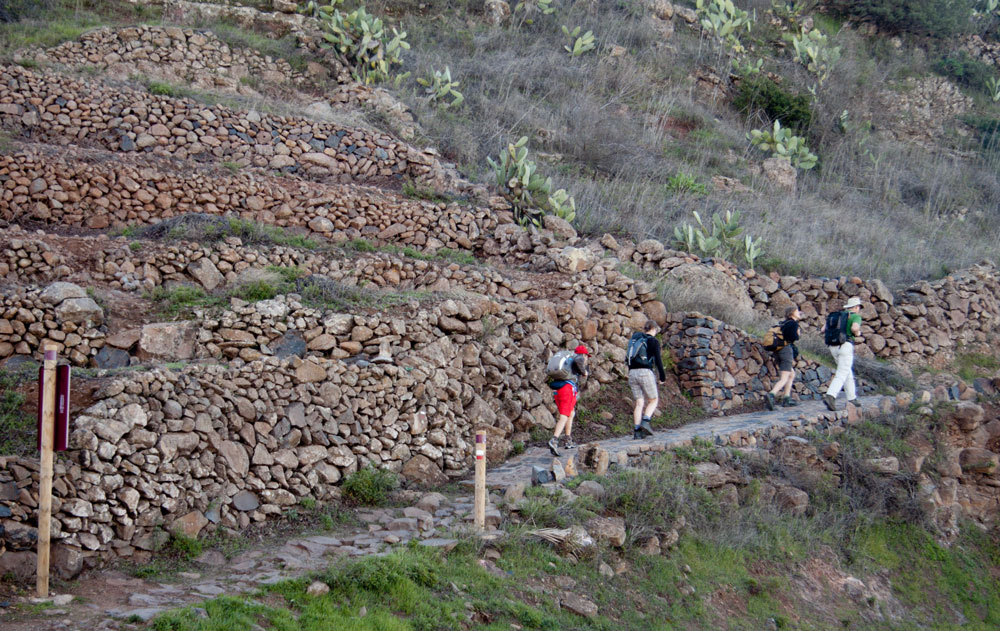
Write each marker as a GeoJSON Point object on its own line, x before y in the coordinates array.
{"type": "Point", "coordinates": [196, 57]}
{"type": "Point", "coordinates": [231, 444]}
{"type": "Point", "coordinates": [168, 53]}
{"type": "Point", "coordinates": [98, 190]}
{"type": "Point", "coordinates": [723, 367]}
{"type": "Point", "coordinates": [55, 108]}
{"type": "Point", "coordinates": [921, 324]}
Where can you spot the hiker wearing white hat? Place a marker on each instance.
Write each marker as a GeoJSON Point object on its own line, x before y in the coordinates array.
{"type": "Point", "coordinates": [839, 333]}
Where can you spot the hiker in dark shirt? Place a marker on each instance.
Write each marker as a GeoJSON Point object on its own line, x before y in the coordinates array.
{"type": "Point", "coordinates": [642, 354]}
{"type": "Point", "coordinates": [785, 358]}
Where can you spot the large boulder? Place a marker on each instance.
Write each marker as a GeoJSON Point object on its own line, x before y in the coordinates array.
{"type": "Point", "coordinates": [497, 12]}
{"type": "Point", "coordinates": [707, 285]}
{"type": "Point", "coordinates": [572, 260]}
{"type": "Point", "coordinates": [58, 292]}
{"type": "Point", "coordinates": [780, 172]}
{"type": "Point", "coordinates": [205, 272]}
{"type": "Point", "coordinates": [422, 470]}
{"type": "Point", "coordinates": [83, 311]}
{"type": "Point", "coordinates": [559, 226]}
{"type": "Point", "coordinates": [976, 460]}
{"type": "Point", "coordinates": [168, 341]}
{"type": "Point", "coordinates": [610, 529]}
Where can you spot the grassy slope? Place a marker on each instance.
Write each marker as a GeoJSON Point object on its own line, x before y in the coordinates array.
{"type": "Point", "coordinates": [420, 590]}
{"type": "Point", "coordinates": [617, 129]}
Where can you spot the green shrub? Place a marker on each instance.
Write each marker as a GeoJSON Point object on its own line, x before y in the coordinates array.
{"type": "Point", "coordinates": [965, 71]}
{"type": "Point", "coordinates": [381, 575]}
{"type": "Point", "coordinates": [762, 95]}
{"type": "Point", "coordinates": [257, 290]}
{"type": "Point", "coordinates": [682, 183]}
{"type": "Point", "coordinates": [160, 88]}
{"type": "Point", "coordinates": [931, 18]}
{"type": "Point", "coordinates": [359, 245]}
{"type": "Point", "coordinates": [369, 486]}
{"type": "Point", "coordinates": [651, 500]}
{"type": "Point", "coordinates": [17, 429]}
{"type": "Point", "coordinates": [187, 547]}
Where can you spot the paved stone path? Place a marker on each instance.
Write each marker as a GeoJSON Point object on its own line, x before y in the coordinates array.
{"type": "Point", "coordinates": [108, 599]}
{"type": "Point", "coordinates": [727, 429]}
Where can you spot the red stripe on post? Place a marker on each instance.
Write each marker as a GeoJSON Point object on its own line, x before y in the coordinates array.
{"type": "Point", "coordinates": [50, 356]}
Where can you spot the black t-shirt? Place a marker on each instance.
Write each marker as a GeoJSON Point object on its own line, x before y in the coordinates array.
{"type": "Point", "coordinates": [790, 331]}
{"type": "Point", "coordinates": [653, 352]}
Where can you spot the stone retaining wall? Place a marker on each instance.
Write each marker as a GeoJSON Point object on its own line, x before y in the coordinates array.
{"type": "Point", "coordinates": [168, 53]}
{"type": "Point", "coordinates": [97, 190]}
{"type": "Point", "coordinates": [55, 108]}
{"type": "Point", "coordinates": [723, 367]}
{"type": "Point", "coordinates": [921, 324]}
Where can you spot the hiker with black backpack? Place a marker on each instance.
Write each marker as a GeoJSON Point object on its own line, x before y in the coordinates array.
{"type": "Point", "coordinates": [839, 332]}
{"type": "Point", "coordinates": [780, 340]}
{"type": "Point", "coordinates": [564, 370]}
{"type": "Point", "coordinates": [642, 353]}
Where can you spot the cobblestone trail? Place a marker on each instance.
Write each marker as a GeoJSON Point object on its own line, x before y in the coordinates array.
{"type": "Point", "coordinates": [733, 430]}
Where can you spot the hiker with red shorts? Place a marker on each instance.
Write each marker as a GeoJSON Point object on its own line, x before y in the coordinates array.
{"type": "Point", "coordinates": [564, 370]}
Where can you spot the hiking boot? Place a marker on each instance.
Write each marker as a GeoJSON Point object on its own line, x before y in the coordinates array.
{"type": "Point", "coordinates": [831, 402]}
{"type": "Point", "coordinates": [646, 429]}
{"type": "Point", "coordinates": [789, 402]}
{"type": "Point", "coordinates": [769, 401]}
{"type": "Point", "coordinates": [637, 434]}
{"type": "Point", "coordinates": [554, 446]}
{"type": "Point", "coordinates": [568, 443]}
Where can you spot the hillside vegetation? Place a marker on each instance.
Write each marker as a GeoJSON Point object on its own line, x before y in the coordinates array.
{"type": "Point", "coordinates": [638, 128]}
{"type": "Point", "coordinates": [651, 120]}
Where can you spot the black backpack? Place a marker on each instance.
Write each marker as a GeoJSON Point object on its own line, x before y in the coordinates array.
{"type": "Point", "coordinates": [836, 328]}
{"type": "Point", "coordinates": [637, 351]}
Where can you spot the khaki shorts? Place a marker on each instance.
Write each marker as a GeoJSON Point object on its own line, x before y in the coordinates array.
{"type": "Point", "coordinates": [643, 384]}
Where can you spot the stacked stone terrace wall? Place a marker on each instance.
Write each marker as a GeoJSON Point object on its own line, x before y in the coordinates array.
{"type": "Point", "coordinates": [724, 368]}
{"type": "Point", "coordinates": [98, 190]}
{"type": "Point", "coordinates": [235, 443]}
{"type": "Point", "coordinates": [921, 324]}
{"type": "Point", "coordinates": [55, 108]}
{"type": "Point", "coordinates": [195, 57]}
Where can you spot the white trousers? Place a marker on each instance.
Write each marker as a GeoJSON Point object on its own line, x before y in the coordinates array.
{"type": "Point", "coordinates": [844, 377]}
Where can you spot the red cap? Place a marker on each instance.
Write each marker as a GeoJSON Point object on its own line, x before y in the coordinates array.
{"type": "Point", "coordinates": [581, 350]}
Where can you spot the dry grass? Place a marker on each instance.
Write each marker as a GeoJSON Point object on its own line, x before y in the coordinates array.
{"type": "Point", "coordinates": [616, 129]}
{"type": "Point", "coordinates": [713, 302]}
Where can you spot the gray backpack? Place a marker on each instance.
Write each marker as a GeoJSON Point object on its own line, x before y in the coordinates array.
{"type": "Point", "coordinates": [560, 366]}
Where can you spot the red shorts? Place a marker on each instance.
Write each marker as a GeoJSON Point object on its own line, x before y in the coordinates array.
{"type": "Point", "coordinates": [565, 399]}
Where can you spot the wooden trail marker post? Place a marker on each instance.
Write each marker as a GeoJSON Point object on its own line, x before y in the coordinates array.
{"type": "Point", "coordinates": [47, 414]}
{"type": "Point", "coordinates": [480, 496]}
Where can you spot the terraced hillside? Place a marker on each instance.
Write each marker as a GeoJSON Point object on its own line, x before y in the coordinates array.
{"type": "Point", "coordinates": [271, 283]}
